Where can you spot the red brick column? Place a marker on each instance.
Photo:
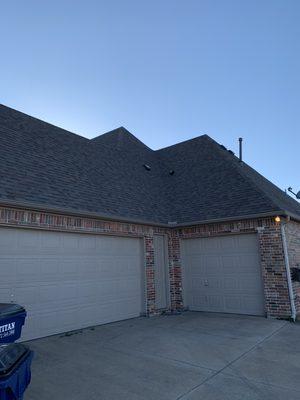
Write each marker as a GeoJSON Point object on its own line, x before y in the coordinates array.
{"type": "Point", "coordinates": [150, 281]}
{"type": "Point", "coordinates": [293, 244]}
{"type": "Point", "coordinates": [274, 271]}
{"type": "Point", "coordinates": [175, 272]}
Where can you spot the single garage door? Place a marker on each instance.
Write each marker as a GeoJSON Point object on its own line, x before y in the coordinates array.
{"type": "Point", "coordinates": [223, 274]}
{"type": "Point", "coordinates": [69, 281]}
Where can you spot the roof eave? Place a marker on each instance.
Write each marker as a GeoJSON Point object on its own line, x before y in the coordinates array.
{"type": "Point", "coordinates": [236, 218]}
{"type": "Point", "coordinates": [78, 213]}
{"type": "Point", "coordinates": [108, 217]}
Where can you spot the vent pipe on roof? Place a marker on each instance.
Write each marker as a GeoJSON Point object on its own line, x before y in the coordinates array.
{"type": "Point", "coordinates": [241, 149]}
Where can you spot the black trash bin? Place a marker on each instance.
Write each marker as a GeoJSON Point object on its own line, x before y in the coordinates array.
{"type": "Point", "coordinates": [15, 373]}
{"type": "Point", "coordinates": [12, 318]}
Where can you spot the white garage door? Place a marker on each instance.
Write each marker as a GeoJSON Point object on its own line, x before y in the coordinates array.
{"type": "Point", "coordinates": [223, 274]}
{"type": "Point", "coordinates": [70, 281]}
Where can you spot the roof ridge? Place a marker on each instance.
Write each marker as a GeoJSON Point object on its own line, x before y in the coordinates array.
{"type": "Point", "coordinates": [204, 136]}
{"type": "Point", "coordinates": [43, 122]}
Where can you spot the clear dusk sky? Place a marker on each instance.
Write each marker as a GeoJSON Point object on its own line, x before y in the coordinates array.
{"type": "Point", "coordinates": [167, 70]}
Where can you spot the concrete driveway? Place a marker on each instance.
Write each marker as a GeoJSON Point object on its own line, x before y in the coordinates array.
{"type": "Point", "coordinates": [192, 356]}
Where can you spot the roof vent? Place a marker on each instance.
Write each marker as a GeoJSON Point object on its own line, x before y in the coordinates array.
{"type": "Point", "coordinates": [171, 172]}
{"type": "Point", "coordinates": [231, 152]}
{"type": "Point", "coordinates": [147, 167]}
{"type": "Point", "coordinates": [241, 149]}
{"type": "Point", "coordinates": [223, 147]}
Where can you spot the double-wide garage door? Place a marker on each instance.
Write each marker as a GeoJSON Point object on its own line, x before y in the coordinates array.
{"type": "Point", "coordinates": [69, 281]}
{"type": "Point", "coordinates": [223, 274]}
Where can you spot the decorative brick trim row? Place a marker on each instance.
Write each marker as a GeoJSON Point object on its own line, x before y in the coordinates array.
{"type": "Point", "coordinates": [243, 226]}
{"type": "Point", "coordinates": [44, 220]}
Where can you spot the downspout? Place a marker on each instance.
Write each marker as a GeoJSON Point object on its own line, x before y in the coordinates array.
{"type": "Point", "coordinates": [288, 272]}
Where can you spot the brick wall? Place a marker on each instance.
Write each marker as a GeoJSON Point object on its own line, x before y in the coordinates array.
{"type": "Point", "coordinates": [293, 244]}
{"type": "Point", "coordinates": [175, 275]}
{"type": "Point", "coordinates": [150, 276]}
{"type": "Point", "coordinates": [270, 243]}
{"type": "Point", "coordinates": [274, 271]}
{"type": "Point", "coordinates": [277, 302]}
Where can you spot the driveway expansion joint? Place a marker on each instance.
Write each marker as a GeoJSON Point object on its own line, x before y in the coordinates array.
{"type": "Point", "coordinates": [231, 362]}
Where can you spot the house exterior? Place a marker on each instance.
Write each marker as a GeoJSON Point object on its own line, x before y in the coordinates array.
{"type": "Point", "coordinates": [95, 231]}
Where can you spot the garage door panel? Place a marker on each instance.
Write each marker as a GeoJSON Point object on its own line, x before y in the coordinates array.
{"type": "Point", "coordinates": [90, 268]}
{"type": "Point", "coordinates": [70, 243]}
{"type": "Point", "coordinates": [231, 283]}
{"type": "Point", "coordinates": [25, 295]}
{"type": "Point", "coordinates": [248, 263]}
{"type": "Point", "coordinates": [87, 243]}
{"type": "Point", "coordinates": [59, 276]}
{"type": "Point", "coordinates": [232, 304]}
{"type": "Point", "coordinates": [28, 242]}
{"type": "Point", "coordinates": [231, 263]}
{"type": "Point", "coordinates": [5, 293]}
{"type": "Point", "coordinates": [223, 274]}
{"type": "Point", "coordinates": [205, 265]}
{"type": "Point", "coordinates": [45, 295]}
{"type": "Point", "coordinates": [49, 242]}
{"type": "Point", "coordinates": [214, 302]}
{"type": "Point", "coordinates": [49, 270]}
{"type": "Point", "coordinates": [228, 244]}
{"type": "Point", "coordinates": [208, 245]}
{"type": "Point", "coordinates": [247, 243]}
{"type": "Point", "coordinates": [27, 270]}
{"type": "Point", "coordinates": [248, 283]}
{"type": "Point", "coordinates": [88, 291]}
{"type": "Point", "coordinates": [8, 242]}
{"type": "Point", "coordinates": [8, 270]}
{"type": "Point", "coordinates": [69, 268]}
{"type": "Point", "coordinates": [212, 264]}
{"type": "Point", "coordinates": [196, 266]}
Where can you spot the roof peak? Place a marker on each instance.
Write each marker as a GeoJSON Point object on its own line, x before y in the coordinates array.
{"type": "Point", "coordinates": [119, 134]}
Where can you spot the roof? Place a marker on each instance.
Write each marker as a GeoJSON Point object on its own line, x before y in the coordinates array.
{"type": "Point", "coordinates": [44, 166]}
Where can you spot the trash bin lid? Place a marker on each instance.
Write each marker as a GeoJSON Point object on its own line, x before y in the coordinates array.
{"type": "Point", "coordinates": [10, 355]}
{"type": "Point", "coordinates": [8, 309]}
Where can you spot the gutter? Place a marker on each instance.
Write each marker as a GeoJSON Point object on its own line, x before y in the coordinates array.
{"type": "Point", "coordinates": [288, 271]}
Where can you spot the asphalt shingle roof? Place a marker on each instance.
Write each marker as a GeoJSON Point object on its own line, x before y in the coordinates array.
{"type": "Point", "coordinates": [44, 165]}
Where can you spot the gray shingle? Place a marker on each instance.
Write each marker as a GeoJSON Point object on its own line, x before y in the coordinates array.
{"type": "Point", "coordinates": [46, 165]}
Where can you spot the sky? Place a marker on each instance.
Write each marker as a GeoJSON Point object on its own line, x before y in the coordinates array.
{"type": "Point", "coordinates": [167, 70]}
